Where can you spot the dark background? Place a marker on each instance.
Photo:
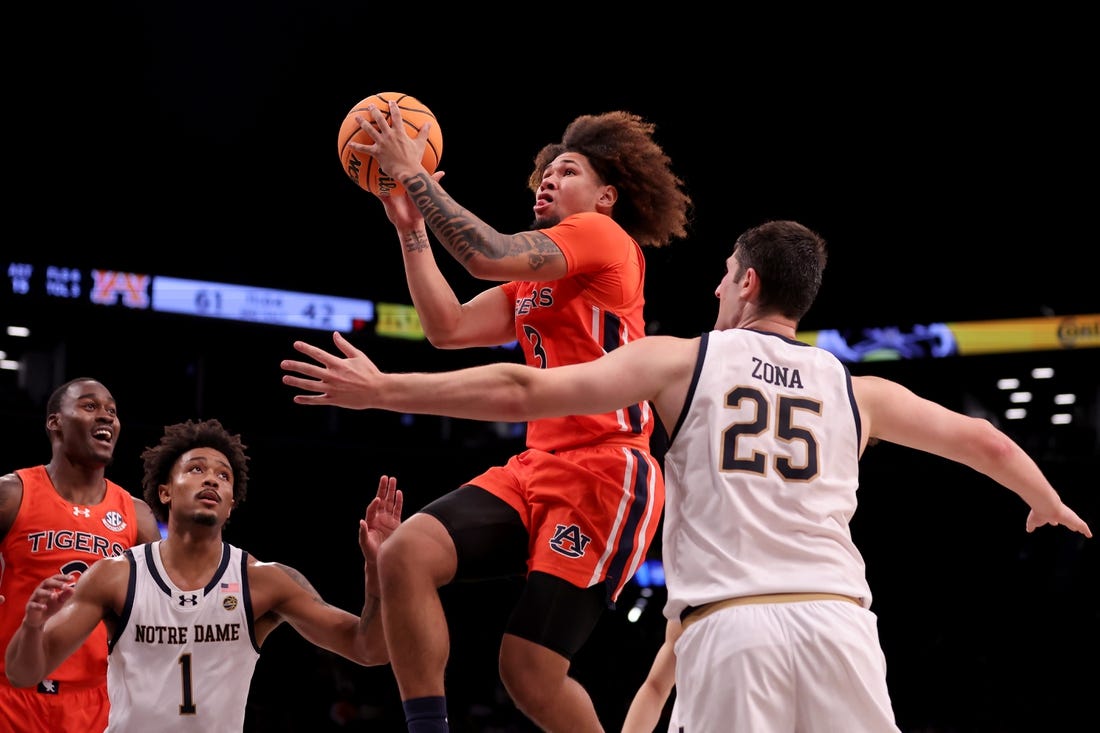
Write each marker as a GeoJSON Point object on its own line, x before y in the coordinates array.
{"type": "Point", "coordinates": [950, 163]}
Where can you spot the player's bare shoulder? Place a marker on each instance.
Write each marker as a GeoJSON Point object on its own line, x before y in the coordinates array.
{"type": "Point", "coordinates": [106, 582]}
{"type": "Point", "coordinates": [11, 496]}
{"type": "Point", "coordinates": [272, 583]}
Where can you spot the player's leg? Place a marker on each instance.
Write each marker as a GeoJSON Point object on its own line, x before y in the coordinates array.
{"type": "Point", "coordinates": [842, 669]}
{"type": "Point", "coordinates": [551, 622]}
{"type": "Point", "coordinates": [465, 534]}
{"type": "Point", "coordinates": [734, 671]}
{"type": "Point", "coordinates": [413, 563]}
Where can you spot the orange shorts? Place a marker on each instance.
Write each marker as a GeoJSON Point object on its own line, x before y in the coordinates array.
{"type": "Point", "coordinates": [591, 513]}
{"type": "Point", "coordinates": [77, 709]}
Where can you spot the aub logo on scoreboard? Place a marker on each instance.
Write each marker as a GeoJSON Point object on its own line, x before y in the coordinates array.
{"type": "Point", "coordinates": [128, 288]}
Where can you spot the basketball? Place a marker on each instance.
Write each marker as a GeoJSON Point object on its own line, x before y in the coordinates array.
{"type": "Point", "coordinates": [364, 170]}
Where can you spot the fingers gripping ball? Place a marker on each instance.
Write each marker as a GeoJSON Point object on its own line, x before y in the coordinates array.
{"type": "Point", "coordinates": [363, 169]}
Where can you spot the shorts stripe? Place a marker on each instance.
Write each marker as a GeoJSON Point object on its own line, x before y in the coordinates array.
{"type": "Point", "coordinates": [625, 548]}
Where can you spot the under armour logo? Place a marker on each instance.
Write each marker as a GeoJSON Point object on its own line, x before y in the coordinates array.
{"type": "Point", "coordinates": [77, 511]}
{"type": "Point", "coordinates": [569, 541]}
{"type": "Point", "coordinates": [193, 600]}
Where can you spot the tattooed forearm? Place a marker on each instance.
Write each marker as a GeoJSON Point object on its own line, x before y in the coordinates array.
{"type": "Point", "coordinates": [464, 235]}
{"type": "Point", "coordinates": [538, 247]}
{"type": "Point", "coordinates": [370, 610]}
{"type": "Point", "coordinates": [415, 241]}
{"type": "Point", "coordinates": [302, 581]}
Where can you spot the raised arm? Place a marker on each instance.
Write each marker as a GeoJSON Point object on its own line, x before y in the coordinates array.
{"type": "Point", "coordinates": [486, 253]}
{"type": "Point", "coordinates": [361, 638]}
{"type": "Point", "coordinates": [893, 413]}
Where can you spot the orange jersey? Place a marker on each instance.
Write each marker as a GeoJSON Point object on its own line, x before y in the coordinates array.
{"type": "Point", "coordinates": [595, 308]}
{"type": "Point", "coordinates": [51, 535]}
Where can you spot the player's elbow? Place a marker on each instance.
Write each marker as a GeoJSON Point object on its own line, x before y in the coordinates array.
{"type": "Point", "coordinates": [371, 653]}
{"type": "Point", "coordinates": [443, 339]}
{"type": "Point", "coordinates": [20, 678]}
{"type": "Point", "coordinates": [987, 446]}
{"type": "Point", "coordinates": [482, 268]}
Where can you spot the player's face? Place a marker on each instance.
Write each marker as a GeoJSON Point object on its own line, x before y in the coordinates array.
{"type": "Point", "coordinates": [87, 423]}
{"type": "Point", "coordinates": [569, 186]}
{"type": "Point", "coordinates": [727, 292]}
{"type": "Point", "coordinates": [200, 487]}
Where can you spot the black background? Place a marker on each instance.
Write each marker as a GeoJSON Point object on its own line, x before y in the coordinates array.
{"type": "Point", "coordinates": [950, 163]}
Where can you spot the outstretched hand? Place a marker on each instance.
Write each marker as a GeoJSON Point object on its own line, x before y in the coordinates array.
{"type": "Point", "coordinates": [48, 598]}
{"type": "Point", "coordinates": [382, 519]}
{"type": "Point", "coordinates": [349, 382]}
{"type": "Point", "coordinates": [1062, 515]}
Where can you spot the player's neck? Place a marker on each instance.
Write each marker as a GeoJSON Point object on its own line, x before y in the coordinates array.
{"type": "Point", "coordinates": [76, 483]}
{"type": "Point", "coordinates": [771, 324]}
{"type": "Point", "coordinates": [191, 560]}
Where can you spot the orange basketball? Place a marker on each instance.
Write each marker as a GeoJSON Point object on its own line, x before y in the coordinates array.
{"type": "Point", "coordinates": [363, 169]}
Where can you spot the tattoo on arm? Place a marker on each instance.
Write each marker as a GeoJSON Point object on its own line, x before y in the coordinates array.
{"type": "Point", "coordinates": [302, 581]}
{"type": "Point", "coordinates": [415, 241]}
{"type": "Point", "coordinates": [464, 235]}
{"type": "Point", "coordinates": [370, 609]}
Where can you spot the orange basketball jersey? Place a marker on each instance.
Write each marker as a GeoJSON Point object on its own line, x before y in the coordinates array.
{"type": "Point", "coordinates": [595, 308]}
{"type": "Point", "coordinates": [50, 536]}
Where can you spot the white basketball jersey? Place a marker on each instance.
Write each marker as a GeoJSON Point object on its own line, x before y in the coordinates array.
{"type": "Point", "coordinates": [182, 660]}
{"type": "Point", "coordinates": [761, 475]}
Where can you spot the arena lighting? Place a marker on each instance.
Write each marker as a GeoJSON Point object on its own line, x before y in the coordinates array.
{"type": "Point", "coordinates": [1019, 397]}
{"type": "Point", "coordinates": [1010, 383]}
{"type": "Point", "coordinates": [19, 331]}
{"type": "Point", "coordinates": [1042, 373]}
{"type": "Point", "coordinates": [639, 607]}
{"type": "Point", "coordinates": [1016, 413]}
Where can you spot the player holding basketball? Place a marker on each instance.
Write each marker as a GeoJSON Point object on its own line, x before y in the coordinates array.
{"type": "Point", "coordinates": [762, 471]}
{"type": "Point", "coordinates": [186, 616]}
{"type": "Point", "coordinates": [61, 518]}
{"type": "Point", "coordinates": [576, 511]}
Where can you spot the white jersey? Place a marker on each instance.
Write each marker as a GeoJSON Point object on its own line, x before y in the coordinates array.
{"type": "Point", "coordinates": [761, 475]}
{"type": "Point", "coordinates": [182, 660]}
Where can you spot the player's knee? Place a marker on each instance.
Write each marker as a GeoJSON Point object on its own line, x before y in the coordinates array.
{"type": "Point", "coordinates": [417, 551]}
{"type": "Point", "coordinates": [525, 685]}
{"type": "Point", "coordinates": [532, 674]}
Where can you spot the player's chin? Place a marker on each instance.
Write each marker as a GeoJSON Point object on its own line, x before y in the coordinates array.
{"type": "Point", "coordinates": [205, 518]}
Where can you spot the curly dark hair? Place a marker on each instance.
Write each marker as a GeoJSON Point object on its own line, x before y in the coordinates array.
{"type": "Point", "coordinates": [182, 437]}
{"type": "Point", "coordinates": [652, 206]}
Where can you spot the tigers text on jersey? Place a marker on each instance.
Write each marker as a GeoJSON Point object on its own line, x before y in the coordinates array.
{"type": "Point", "coordinates": [597, 307]}
{"type": "Point", "coordinates": [51, 535]}
{"type": "Point", "coordinates": [182, 660]}
{"type": "Point", "coordinates": [761, 475]}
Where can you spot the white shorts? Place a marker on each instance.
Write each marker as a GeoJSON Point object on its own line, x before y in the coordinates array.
{"type": "Point", "coordinates": [809, 666]}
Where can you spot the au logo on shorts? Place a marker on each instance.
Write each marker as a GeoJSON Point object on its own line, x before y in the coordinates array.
{"type": "Point", "coordinates": [569, 541]}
